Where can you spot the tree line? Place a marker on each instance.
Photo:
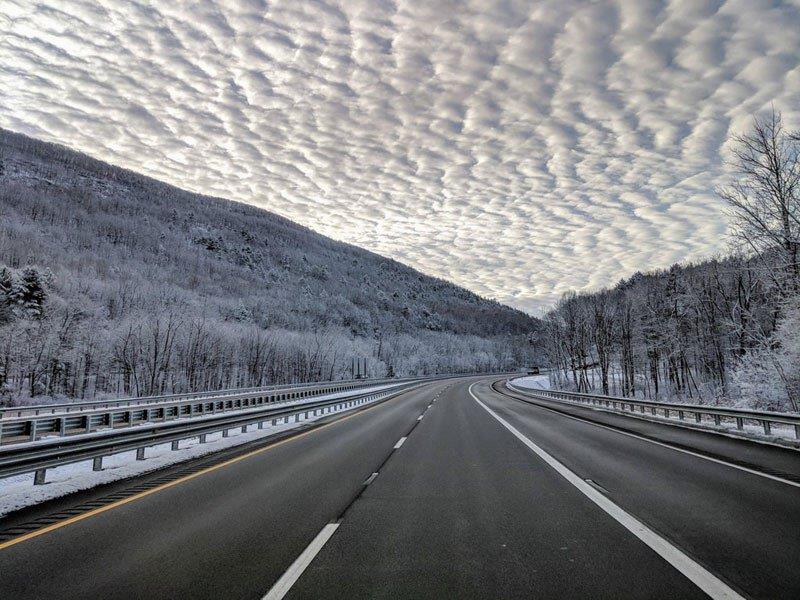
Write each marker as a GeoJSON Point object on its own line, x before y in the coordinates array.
{"type": "Point", "coordinates": [61, 354]}
{"type": "Point", "coordinates": [725, 330]}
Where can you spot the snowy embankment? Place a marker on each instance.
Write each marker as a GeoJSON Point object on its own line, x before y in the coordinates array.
{"type": "Point", "coordinates": [533, 382]}
{"type": "Point", "coordinates": [18, 491]}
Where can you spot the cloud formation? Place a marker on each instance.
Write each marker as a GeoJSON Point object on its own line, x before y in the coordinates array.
{"type": "Point", "coordinates": [520, 149]}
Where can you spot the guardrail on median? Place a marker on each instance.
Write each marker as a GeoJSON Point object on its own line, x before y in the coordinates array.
{"type": "Point", "coordinates": [273, 390]}
{"type": "Point", "coordinates": [35, 426]}
{"type": "Point", "coordinates": [690, 413]}
{"type": "Point", "coordinates": [16, 459]}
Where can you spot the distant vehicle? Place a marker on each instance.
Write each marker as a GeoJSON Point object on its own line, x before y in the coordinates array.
{"type": "Point", "coordinates": [532, 370]}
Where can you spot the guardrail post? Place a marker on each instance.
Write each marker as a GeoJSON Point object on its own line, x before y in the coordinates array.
{"type": "Point", "coordinates": [202, 438]}
{"type": "Point", "coordinates": [224, 433]}
{"type": "Point", "coordinates": [698, 417]}
{"type": "Point", "coordinates": [33, 430]}
{"type": "Point", "coordinates": [739, 423]}
{"type": "Point", "coordinates": [261, 424]}
{"type": "Point", "coordinates": [717, 420]}
{"type": "Point", "coordinates": [274, 422]}
{"type": "Point", "coordinates": [97, 463]}
{"type": "Point", "coordinates": [62, 426]}
{"type": "Point", "coordinates": [175, 445]}
{"type": "Point", "coordinates": [244, 428]}
{"type": "Point", "coordinates": [296, 417]}
{"type": "Point", "coordinates": [680, 415]}
{"type": "Point", "coordinates": [797, 431]}
{"type": "Point", "coordinates": [39, 476]}
{"type": "Point", "coordinates": [767, 427]}
{"type": "Point", "coordinates": [140, 454]}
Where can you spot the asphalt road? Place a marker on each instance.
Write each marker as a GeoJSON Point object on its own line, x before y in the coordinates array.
{"type": "Point", "coordinates": [463, 508]}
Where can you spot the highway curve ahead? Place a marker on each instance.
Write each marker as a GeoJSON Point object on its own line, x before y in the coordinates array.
{"type": "Point", "coordinates": [489, 496]}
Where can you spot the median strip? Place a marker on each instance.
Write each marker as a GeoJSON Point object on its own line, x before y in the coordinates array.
{"type": "Point", "coordinates": [143, 494]}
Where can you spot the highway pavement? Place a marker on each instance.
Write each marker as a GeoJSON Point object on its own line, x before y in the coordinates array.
{"type": "Point", "coordinates": [454, 489]}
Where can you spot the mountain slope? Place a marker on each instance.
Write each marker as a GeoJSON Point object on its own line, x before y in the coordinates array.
{"type": "Point", "coordinates": [119, 249]}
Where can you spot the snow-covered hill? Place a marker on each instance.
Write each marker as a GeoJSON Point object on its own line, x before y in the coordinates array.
{"type": "Point", "coordinates": [239, 295]}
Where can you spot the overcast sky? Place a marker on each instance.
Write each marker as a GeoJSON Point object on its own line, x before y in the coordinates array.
{"type": "Point", "coordinates": [520, 149]}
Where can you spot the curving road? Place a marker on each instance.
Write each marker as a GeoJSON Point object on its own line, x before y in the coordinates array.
{"type": "Point", "coordinates": [455, 489]}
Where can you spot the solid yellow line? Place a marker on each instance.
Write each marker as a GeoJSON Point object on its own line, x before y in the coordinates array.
{"type": "Point", "coordinates": [164, 486]}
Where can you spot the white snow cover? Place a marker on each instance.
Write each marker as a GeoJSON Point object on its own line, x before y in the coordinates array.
{"type": "Point", "coordinates": [18, 491]}
{"type": "Point", "coordinates": [534, 382]}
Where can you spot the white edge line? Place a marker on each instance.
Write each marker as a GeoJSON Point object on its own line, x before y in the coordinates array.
{"type": "Point", "coordinates": [687, 424]}
{"type": "Point", "coordinates": [293, 573]}
{"type": "Point", "coordinates": [675, 448]}
{"type": "Point", "coordinates": [400, 442]}
{"type": "Point", "coordinates": [702, 578]}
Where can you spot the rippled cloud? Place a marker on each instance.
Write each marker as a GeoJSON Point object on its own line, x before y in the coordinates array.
{"type": "Point", "coordinates": [520, 149]}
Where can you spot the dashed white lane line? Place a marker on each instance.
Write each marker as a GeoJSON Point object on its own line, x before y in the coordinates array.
{"type": "Point", "coordinates": [293, 573]}
{"type": "Point", "coordinates": [702, 578]}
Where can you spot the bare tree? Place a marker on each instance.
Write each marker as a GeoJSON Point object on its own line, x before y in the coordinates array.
{"type": "Point", "coordinates": [764, 199]}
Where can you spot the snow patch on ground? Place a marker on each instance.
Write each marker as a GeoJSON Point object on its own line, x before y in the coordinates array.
{"type": "Point", "coordinates": [18, 491]}
{"type": "Point", "coordinates": [533, 382]}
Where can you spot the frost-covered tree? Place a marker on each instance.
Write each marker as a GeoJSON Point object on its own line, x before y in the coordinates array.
{"type": "Point", "coordinates": [6, 285]}
{"type": "Point", "coordinates": [764, 197]}
{"type": "Point", "coordinates": [30, 291]}
{"type": "Point", "coordinates": [768, 376]}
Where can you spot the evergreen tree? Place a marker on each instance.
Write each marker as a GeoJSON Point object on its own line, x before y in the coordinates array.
{"type": "Point", "coordinates": [32, 293]}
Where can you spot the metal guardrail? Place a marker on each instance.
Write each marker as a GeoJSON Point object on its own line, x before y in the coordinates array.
{"type": "Point", "coordinates": [33, 427]}
{"type": "Point", "coordinates": [16, 459]}
{"type": "Point", "coordinates": [689, 413]}
{"type": "Point", "coordinates": [37, 409]}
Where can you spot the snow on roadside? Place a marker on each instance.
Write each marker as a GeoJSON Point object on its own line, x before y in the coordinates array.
{"type": "Point", "coordinates": [533, 382]}
{"type": "Point", "coordinates": [18, 491]}
{"type": "Point", "coordinates": [778, 430]}
{"type": "Point", "coordinates": [54, 440]}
